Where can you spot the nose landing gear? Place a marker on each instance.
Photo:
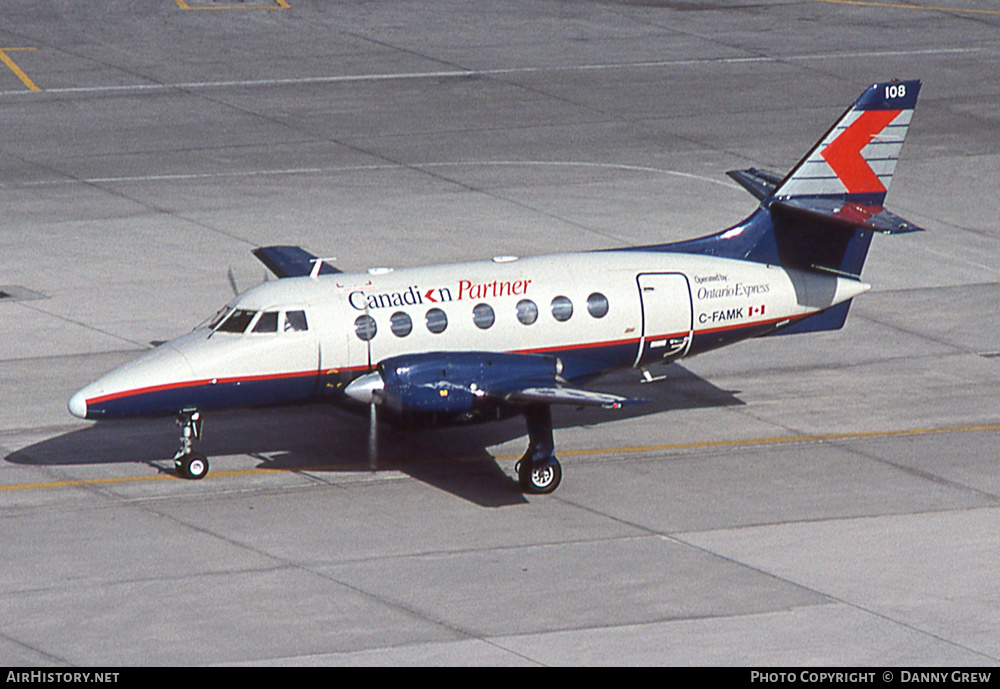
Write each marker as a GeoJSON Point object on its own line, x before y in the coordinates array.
{"type": "Point", "coordinates": [189, 464]}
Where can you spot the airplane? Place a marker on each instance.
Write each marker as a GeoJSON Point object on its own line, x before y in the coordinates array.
{"type": "Point", "coordinates": [486, 340]}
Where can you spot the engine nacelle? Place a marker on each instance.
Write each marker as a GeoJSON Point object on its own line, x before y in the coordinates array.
{"type": "Point", "coordinates": [456, 382]}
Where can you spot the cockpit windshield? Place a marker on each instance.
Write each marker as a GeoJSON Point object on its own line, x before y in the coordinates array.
{"type": "Point", "coordinates": [267, 323]}
{"type": "Point", "coordinates": [216, 318]}
{"type": "Point", "coordinates": [237, 321]}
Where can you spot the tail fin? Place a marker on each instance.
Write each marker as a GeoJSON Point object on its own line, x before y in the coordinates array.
{"type": "Point", "coordinates": [856, 159]}
{"type": "Point", "coordinates": [821, 216]}
{"type": "Point", "coordinates": [823, 213]}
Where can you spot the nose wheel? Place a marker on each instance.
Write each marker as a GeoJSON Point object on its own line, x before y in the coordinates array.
{"type": "Point", "coordinates": [193, 465]}
{"type": "Point", "coordinates": [187, 463]}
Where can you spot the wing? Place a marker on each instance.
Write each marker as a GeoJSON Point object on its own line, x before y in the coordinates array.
{"type": "Point", "coordinates": [291, 261]}
{"type": "Point", "coordinates": [456, 382]}
{"type": "Point", "coordinates": [563, 394]}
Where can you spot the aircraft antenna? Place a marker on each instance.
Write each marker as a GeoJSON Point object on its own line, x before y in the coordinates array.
{"type": "Point", "coordinates": [318, 265]}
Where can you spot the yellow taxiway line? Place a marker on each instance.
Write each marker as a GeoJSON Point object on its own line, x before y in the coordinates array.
{"type": "Point", "coordinates": [632, 449]}
{"type": "Point", "coordinates": [278, 5]}
{"type": "Point", "coordinates": [18, 72]}
{"type": "Point", "coordinates": [859, 435]}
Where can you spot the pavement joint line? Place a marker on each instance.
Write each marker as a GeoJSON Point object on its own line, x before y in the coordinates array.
{"type": "Point", "coordinates": [910, 6]}
{"type": "Point", "coordinates": [635, 449]}
{"type": "Point", "coordinates": [319, 170]}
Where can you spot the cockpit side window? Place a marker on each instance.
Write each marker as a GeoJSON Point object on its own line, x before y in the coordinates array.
{"type": "Point", "coordinates": [295, 321]}
{"type": "Point", "coordinates": [237, 321]}
{"type": "Point", "coordinates": [267, 323]}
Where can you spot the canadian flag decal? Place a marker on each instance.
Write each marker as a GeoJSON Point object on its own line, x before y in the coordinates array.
{"type": "Point", "coordinates": [757, 310]}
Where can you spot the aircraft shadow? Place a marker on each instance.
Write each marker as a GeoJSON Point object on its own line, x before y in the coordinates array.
{"type": "Point", "coordinates": [323, 438]}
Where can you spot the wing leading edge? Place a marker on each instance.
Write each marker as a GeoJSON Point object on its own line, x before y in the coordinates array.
{"type": "Point", "coordinates": [456, 382]}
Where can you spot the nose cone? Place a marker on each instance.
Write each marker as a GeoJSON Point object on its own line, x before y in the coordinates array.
{"type": "Point", "coordinates": [134, 389]}
{"type": "Point", "coordinates": [78, 405]}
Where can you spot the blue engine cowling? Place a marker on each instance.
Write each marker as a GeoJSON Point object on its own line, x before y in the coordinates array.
{"type": "Point", "coordinates": [457, 382]}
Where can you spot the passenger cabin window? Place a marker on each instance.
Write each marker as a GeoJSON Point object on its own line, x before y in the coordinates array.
{"type": "Point", "coordinates": [400, 324]}
{"type": "Point", "coordinates": [237, 322]}
{"type": "Point", "coordinates": [295, 321]}
{"type": "Point", "coordinates": [562, 308]}
{"type": "Point", "coordinates": [483, 316]}
{"type": "Point", "coordinates": [364, 327]}
{"type": "Point", "coordinates": [267, 323]}
{"type": "Point", "coordinates": [527, 311]}
{"type": "Point", "coordinates": [437, 321]}
{"type": "Point", "coordinates": [597, 305]}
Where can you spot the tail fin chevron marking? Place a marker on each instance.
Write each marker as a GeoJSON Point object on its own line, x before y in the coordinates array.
{"type": "Point", "coordinates": [857, 157]}
{"type": "Point", "coordinates": [844, 156]}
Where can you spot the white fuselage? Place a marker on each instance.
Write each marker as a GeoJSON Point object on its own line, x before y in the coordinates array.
{"type": "Point", "coordinates": [596, 311]}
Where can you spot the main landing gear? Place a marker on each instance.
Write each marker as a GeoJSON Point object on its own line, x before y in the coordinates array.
{"type": "Point", "coordinates": [539, 471]}
{"type": "Point", "coordinates": [189, 464]}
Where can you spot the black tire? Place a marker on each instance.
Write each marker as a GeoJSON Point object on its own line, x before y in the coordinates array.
{"type": "Point", "coordinates": [539, 478]}
{"type": "Point", "coordinates": [192, 466]}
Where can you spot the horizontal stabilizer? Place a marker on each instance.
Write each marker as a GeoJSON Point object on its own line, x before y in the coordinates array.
{"type": "Point", "coordinates": [291, 261]}
{"type": "Point", "coordinates": [760, 183]}
{"type": "Point", "coordinates": [849, 214]}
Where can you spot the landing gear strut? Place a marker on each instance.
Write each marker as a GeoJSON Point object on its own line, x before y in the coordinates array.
{"type": "Point", "coordinates": [189, 464]}
{"type": "Point", "coordinates": [539, 471]}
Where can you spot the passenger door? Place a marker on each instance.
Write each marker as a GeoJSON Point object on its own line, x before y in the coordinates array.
{"type": "Point", "coordinates": [666, 316]}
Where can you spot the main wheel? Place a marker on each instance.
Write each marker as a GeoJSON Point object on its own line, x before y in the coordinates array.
{"type": "Point", "coordinates": [192, 466]}
{"type": "Point", "coordinates": [539, 477]}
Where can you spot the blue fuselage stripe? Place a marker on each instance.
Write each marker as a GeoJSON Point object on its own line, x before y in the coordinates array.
{"type": "Point", "coordinates": [579, 362]}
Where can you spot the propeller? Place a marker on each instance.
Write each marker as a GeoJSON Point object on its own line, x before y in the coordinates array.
{"type": "Point", "coordinates": [368, 389]}
{"type": "Point", "coordinates": [373, 434]}
{"type": "Point", "coordinates": [231, 276]}
{"type": "Point", "coordinates": [373, 399]}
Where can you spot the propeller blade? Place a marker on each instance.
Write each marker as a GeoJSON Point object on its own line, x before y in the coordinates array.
{"type": "Point", "coordinates": [232, 282]}
{"type": "Point", "coordinates": [368, 340]}
{"type": "Point", "coordinates": [373, 435]}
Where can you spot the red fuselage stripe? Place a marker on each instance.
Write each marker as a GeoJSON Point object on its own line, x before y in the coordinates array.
{"type": "Point", "coordinates": [196, 383]}
{"type": "Point", "coordinates": [301, 374]}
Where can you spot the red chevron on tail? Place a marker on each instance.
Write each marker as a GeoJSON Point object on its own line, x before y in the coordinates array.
{"type": "Point", "coordinates": [843, 154]}
{"type": "Point", "coordinates": [856, 158]}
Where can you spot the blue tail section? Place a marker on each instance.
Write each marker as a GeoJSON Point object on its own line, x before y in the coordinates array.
{"type": "Point", "coordinates": [822, 215]}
